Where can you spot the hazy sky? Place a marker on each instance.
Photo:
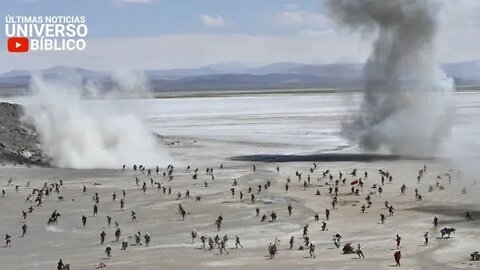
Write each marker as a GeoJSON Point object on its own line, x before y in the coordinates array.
{"type": "Point", "coordinates": [161, 34]}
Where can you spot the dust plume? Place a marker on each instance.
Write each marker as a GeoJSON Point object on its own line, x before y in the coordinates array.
{"type": "Point", "coordinates": [462, 150]}
{"type": "Point", "coordinates": [405, 107]}
{"type": "Point", "coordinates": [79, 133]}
{"type": "Point", "coordinates": [123, 84]}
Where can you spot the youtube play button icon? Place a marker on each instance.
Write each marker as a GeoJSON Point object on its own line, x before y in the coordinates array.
{"type": "Point", "coordinates": [17, 44]}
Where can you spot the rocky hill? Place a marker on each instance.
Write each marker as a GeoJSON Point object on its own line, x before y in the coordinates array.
{"type": "Point", "coordinates": [19, 142]}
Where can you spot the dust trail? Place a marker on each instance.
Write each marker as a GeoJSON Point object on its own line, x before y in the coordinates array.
{"type": "Point", "coordinates": [79, 133]}
{"type": "Point", "coordinates": [405, 108]}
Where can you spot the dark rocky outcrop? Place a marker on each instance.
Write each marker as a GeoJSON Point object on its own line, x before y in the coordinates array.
{"type": "Point", "coordinates": [19, 142]}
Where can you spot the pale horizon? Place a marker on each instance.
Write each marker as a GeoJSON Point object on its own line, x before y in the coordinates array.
{"type": "Point", "coordinates": [168, 35]}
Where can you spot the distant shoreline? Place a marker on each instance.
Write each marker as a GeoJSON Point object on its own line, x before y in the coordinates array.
{"type": "Point", "coordinates": [260, 92]}
{"type": "Point", "coordinates": [10, 92]}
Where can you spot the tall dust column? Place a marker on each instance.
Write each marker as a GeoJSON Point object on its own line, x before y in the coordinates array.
{"type": "Point", "coordinates": [405, 107]}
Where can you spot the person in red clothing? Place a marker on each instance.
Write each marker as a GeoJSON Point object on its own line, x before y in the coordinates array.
{"type": "Point", "coordinates": [398, 256]}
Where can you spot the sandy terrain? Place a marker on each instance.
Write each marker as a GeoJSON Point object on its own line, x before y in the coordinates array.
{"type": "Point", "coordinates": [171, 246]}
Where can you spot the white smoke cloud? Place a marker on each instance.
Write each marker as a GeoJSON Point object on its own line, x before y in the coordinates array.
{"type": "Point", "coordinates": [79, 133]}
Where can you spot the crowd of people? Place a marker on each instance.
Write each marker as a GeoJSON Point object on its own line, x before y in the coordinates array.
{"type": "Point", "coordinates": [336, 187]}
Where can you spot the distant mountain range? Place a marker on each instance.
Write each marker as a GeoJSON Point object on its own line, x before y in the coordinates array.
{"type": "Point", "coordinates": [236, 76]}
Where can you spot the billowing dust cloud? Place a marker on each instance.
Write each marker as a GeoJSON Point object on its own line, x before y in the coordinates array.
{"type": "Point", "coordinates": [405, 107]}
{"type": "Point", "coordinates": [79, 133]}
